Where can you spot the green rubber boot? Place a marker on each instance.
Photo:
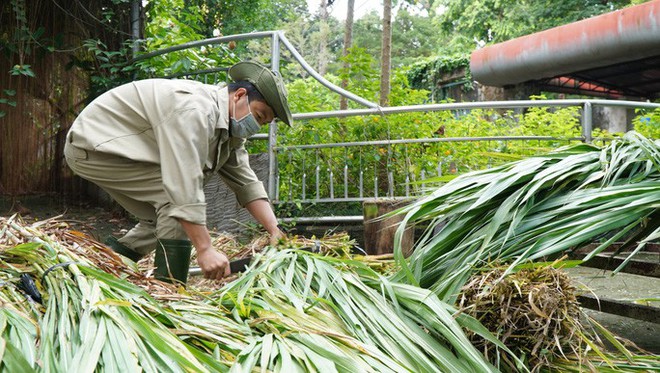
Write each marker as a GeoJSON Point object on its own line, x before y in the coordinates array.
{"type": "Point", "coordinates": [121, 249]}
{"type": "Point", "coordinates": [172, 260]}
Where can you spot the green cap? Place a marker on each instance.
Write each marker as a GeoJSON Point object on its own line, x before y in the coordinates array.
{"type": "Point", "coordinates": [269, 83]}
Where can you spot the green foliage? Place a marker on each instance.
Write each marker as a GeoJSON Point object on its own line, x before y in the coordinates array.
{"type": "Point", "coordinates": [536, 208]}
{"type": "Point", "coordinates": [500, 20]}
{"type": "Point", "coordinates": [426, 72]}
{"type": "Point", "coordinates": [648, 123]}
{"type": "Point", "coordinates": [414, 36]}
{"type": "Point", "coordinates": [176, 22]}
{"type": "Point", "coordinates": [168, 23]}
{"type": "Point", "coordinates": [18, 45]}
{"type": "Point", "coordinates": [308, 95]}
{"type": "Point", "coordinates": [516, 214]}
{"type": "Point", "coordinates": [108, 68]}
{"type": "Point", "coordinates": [171, 22]}
{"type": "Point", "coordinates": [25, 70]}
{"type": "Point", "coordinates": [405, 163]}
{"type": "Point", "coordinates": [540, 121]}
{"type": "Point", "coordinates": [22, 42]}
{"type": "Point", "coordinates": [562, 123]}
{"type": "Point", "coordinates": [242, 16]}
{"type": "Point", "coordinates": [363, 74]}
{"type": "Point", "coordinates": [7, 100]}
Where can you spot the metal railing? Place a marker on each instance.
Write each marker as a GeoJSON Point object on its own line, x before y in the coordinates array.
{"type": "Point", "coordinates": [324, 179]}
{"type": "Point", "coordinates": [414, 183]}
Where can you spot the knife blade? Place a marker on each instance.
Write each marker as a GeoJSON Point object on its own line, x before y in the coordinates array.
{"type": "Point", "coordinates": [239, 265]}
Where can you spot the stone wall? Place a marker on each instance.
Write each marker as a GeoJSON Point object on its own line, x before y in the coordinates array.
{"type": "Point", "coordinates": [222, 209]}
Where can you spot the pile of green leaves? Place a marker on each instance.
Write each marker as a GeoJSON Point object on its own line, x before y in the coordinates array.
{"type": "Point", "coordinates": [86, 319]}
{"type": "Point", "coordinates": [298, 311]}
{"type": "Point", "coordinates": [531, 210]}
{"type": "Point", "coordinates": [292, 311]}
{"type": "Point", "coordinates": [322, 314]}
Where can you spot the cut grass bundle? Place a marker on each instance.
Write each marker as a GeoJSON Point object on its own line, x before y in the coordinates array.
{"type": "Point", "coordinates": [336, 244]}
{"type": "Point", "coordinates": [532, 311]}
{"type": "Point", "coordinates": [534, 208]}
{"type": "Point", "coordinates": [368, 323]}
{"type": "Point", "coordinates": [90, 320]}
{"type": "Point", "coordinates": [292, 311]}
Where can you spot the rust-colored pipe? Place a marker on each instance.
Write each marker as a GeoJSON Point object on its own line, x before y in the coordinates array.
{"type": "Point", "coordinates": [624, 35]}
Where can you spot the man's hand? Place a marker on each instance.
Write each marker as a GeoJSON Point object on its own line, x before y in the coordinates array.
{"type": "Point", "coordinates": [276, 236]}
{"type": "Point", "coordinates": [214, 264]}
{"type": "Point", "coordinates": [262, 212]}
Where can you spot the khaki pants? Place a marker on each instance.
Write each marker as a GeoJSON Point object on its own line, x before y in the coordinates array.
{"type": "Point", "coordinates": [137, 187]}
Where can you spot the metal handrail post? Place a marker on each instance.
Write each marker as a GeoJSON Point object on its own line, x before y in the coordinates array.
{"type": "Point", "coordinates": [471, 105]}
{"type": "Point", "coordinates": [199, 43]}
{"type": "Point", "coordinates": [587, 122]}
{"type": "Point", "coordinates": [272, 130]}
{"type": "Point", "coordinates": [296, 55]}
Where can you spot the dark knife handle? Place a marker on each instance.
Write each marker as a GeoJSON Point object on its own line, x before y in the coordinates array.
{"type": "Point", "coordinates": [239, 265]}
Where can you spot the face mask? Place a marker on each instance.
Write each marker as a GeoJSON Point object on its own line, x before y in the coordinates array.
{"type": "Point", "coordinates": [244, 127]}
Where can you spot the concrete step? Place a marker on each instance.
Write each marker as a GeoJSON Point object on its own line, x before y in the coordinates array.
{"type": "Point", "coordinates": [645, 263]}
{"type": "Point", "coordinates": [626, 304]}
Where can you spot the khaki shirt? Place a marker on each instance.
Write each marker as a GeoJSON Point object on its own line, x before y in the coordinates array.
{"type": "Point", "coordinates": [181, 125]}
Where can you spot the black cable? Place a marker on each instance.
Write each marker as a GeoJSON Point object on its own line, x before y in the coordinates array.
{"type": "Point", "coordinates": [30, 288]}
{"type": "Point", "coordinates": [65, 264]}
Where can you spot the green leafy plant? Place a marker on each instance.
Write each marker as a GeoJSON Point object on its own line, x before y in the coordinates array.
{"type": "Point", "coordinates": [18, 46]}
{"type": "Point", "coordinates": [424, 74]}
{"type": "Point", "coordinates": [25, 70]}
{"type": "Point", "coordinates": [8, 100]}
{"type": "Point", "coordinates": [108, 68]}
{"type": "Point", "coordinates": [172, 23]}
{"type": "Point", "coordinates": [409, 166]}
{"type": "Point", "coordinates": [648, 123]}
{"type": "Point", "coordinates": [168, 23]}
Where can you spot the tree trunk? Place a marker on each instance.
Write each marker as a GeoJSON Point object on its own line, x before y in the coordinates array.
{"type": "Point", "coordinates": [348, 42]}
{"type": "Point", "coordinates": [378, 232]}
{"type": "Point", "coordinates": [136, 25]}
{"type": "Point", "coordinates": [386, 54]}
{"type": "Point", "coordinates": [324, 31]}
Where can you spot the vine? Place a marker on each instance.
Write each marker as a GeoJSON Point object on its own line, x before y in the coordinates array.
{"type": "Point", "coordinates": [424, 74]}
{"type": "Point", "coordinates": [22, 36]}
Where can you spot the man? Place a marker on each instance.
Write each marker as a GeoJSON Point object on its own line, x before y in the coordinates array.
{"type": "Point", "coordinates": [152, 144]}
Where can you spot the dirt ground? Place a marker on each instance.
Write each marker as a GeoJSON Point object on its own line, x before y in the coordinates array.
{"type": "Point", "coordinates": [84, 216]}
